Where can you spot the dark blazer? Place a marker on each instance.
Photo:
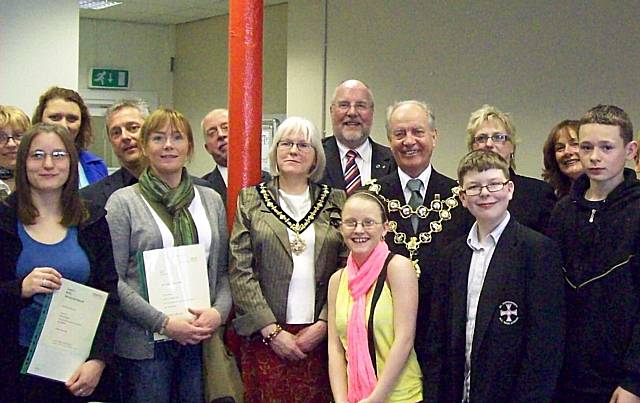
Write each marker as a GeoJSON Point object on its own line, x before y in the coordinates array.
{"type": "Point", "coordinates": [532, 203]}
{"type": "Point", "coordinates": [95, 240]}
{"type": "Point", "coordinates": [217, 183]}
{"type": "Point", "coordinates": [516, 360]}
{"type": "Point", "coordinates": [429, 254]}
{"type": "Point", "coordinates": [382, 162]}
{"type": "Point", "coordinates": [100, 191]}
{"type": "Point", "coordinates": [260, 262]}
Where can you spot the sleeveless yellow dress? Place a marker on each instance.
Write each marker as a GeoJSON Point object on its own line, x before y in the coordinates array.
{"type": "Point", "coordinates": [408, 387]}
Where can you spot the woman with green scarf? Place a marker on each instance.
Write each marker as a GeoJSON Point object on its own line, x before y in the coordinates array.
{"type": "Point", "coordinates": [163, 210]}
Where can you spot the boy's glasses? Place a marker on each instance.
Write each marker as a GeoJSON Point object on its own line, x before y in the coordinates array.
{"type": "Point", "coordinates": [492, 187]}
{"type": "Point", "coordinates": [353, 224]}
{"type": "Point", "coordinates": [496, 138]}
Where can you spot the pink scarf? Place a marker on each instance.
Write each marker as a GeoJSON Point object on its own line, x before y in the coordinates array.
{"type": "Point", "coordinates": [362, 377]}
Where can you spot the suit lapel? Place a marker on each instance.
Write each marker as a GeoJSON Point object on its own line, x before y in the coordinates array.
{"type": "Point", "coordinates": [493, 284]}
{"type": "Point", "coordinates": [272, 221]}
{"type": "Point", "coordinates": [334, 165]}
{"type": "Point", "coordinates": [380, 161]}
{"type": "Point", "coordinates": [458, 297]}
{"type": "Point", "coordinates": [320, 227]}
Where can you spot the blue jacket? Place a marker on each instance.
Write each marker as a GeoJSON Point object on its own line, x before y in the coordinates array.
{"type": "Point", "coordinates": [94, 167]}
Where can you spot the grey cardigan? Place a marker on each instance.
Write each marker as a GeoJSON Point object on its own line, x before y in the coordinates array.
{"type": "Point", "coordinates": [133, 229]}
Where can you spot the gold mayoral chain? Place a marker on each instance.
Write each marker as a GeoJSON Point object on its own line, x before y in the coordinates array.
{"type": "Point", "coordinates": [413, 243]}
{"type": "Point", "coordinates": [297, 244]}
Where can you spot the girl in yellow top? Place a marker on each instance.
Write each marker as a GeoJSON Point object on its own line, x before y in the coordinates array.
{"type": "Point", "coordinates": [391, 373]}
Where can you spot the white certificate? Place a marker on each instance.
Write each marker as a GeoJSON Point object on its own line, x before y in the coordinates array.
{"type": "Point", "coordinates": [176, 279]}
{"type": "Point", "coordinates": [64, 335]}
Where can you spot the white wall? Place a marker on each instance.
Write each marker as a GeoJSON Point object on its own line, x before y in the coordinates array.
{"type": "Point", "coordinates": [38, 49]}
{"type": "Point", "coordinates": [542, 61]}
{"type": "Point", "coordinates": [201, 77]}
{"type": "Point", "coordinates": [145, 50]}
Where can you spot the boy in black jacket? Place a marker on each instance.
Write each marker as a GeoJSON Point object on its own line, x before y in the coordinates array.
{"type": "Point", "coordinates": [597, 227]}
{"type": "Point", "coordinates": [497, 329]}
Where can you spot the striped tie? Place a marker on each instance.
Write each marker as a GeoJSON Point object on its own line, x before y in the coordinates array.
{"type": "Point", "coordinates": [352, 173]}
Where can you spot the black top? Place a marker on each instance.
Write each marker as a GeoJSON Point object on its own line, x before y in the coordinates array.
{"type": "Point", "coordinates": [532, 203]}
{"type": "Point", "coordinates": [94, 238]}
{"type": "Point", "coordinates": [600, 245]}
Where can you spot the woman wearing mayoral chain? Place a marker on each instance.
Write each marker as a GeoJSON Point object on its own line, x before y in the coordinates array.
{"type": "Point", "coordinates": [284, 246]}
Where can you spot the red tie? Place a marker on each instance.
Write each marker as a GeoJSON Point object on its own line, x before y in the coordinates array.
{"type": "Point", "coordinates": [352, 173]}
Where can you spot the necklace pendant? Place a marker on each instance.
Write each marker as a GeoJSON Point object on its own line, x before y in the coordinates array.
{"type": "Point", "coordinates": [297, 244]}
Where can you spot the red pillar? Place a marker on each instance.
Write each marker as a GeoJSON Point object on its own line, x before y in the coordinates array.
{"type": "Point", "coordinates": [245, 98]}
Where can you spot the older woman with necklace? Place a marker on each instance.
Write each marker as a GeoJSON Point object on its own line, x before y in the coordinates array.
{"type": "Point", "coordinates": [284, 246]}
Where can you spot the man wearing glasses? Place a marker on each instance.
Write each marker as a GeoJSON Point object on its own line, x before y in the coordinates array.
{"type": "Point", "coordinates": [533, 200]}
{"type": "Point", "coordinates": [352, 157]}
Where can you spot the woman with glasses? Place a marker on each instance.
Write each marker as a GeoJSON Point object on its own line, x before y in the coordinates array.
{"type": "Point", "coordinates": [47, 236]}
{"type": "Point", "coordinates": [13, 124]}
{"type": "Point", "coordinates": [284, 246]}
{"type": "Point", "coordinates": [373, 305]}
{"type": "Point", "coordinates": [562, 163]}
{"type": "Point", "coordinates": [65, 107]}
{"type": "Point", "coordinates": [165, 209]}
{"type": "Point", "coordinates": [491, 129]}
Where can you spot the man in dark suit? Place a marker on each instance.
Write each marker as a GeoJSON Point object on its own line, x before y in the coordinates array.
{"type": "Point", "coordinates": [124, 119]}
{"type": "Point", "coordinates": [215, 127]}
{"type": "Point", "coordinates": [351, 118]}
{"type": "Point", "coordinates": [422, 204]}
{"type": "Point", "coordinates": [497, 331]}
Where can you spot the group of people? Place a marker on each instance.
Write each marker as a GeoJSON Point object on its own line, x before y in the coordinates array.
{"type": "Point", "coordinates": [355, 270]}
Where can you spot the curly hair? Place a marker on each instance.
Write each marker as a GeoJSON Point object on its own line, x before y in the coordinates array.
{"type": "Point", "coordinates": [551, 172]}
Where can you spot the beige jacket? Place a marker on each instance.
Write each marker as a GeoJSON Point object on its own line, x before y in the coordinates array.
{"type": "Point", "coordinates": [260, 263]}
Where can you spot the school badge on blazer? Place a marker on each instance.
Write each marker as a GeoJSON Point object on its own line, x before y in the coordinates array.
{"type": "Point", "coordinates": [508, 313]}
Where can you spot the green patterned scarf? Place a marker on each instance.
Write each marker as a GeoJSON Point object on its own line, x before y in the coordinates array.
{"type": "Point", "coordinates": [171, 205]}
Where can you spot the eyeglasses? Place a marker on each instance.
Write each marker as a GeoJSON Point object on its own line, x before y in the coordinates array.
{"type": "Point", "coordinates": [475, 190]}
{"type": "Point", "coordinates": [56, 155]}
{"type": "Point", "coordinates": [302, 147]}
{"type": "Point", "coordinates": [4, 137]}
{"type": "Point", "coordinates": [360, 106]}
{"type": "Point", "coordinates": [367, 223]}
{"type": "Point", "coordinates": [496, 138]}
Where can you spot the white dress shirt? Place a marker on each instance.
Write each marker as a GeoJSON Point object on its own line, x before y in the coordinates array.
{"type": "Point", "coordinates": [482, 253]}
{"type": "Point", "coordinates": [301, 298]}
{"type": "Point", "coordinates": [363, 160]}
{"type": "Point", "coordinates": [224, 172]}
{"type": "Point", "coordinates": [404, 179]}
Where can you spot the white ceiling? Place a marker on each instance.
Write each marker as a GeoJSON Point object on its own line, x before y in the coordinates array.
{"type": "Point", "coordinates": [164, 11]}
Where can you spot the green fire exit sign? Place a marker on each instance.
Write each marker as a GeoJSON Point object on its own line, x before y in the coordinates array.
{"type": "Point", "coordinates": [109, 78]}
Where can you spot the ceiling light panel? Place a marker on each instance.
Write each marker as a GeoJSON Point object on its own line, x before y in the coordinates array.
{"type": "Point", "coordinates": [97, 4]}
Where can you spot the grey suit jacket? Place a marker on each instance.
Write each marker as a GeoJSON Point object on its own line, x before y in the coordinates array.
{"type": "Point", "coordinates": [133, 229]}
{"type": "Point", "coordinates": [260, 263]}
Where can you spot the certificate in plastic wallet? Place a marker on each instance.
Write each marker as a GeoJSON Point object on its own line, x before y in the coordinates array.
{"type": "Point", "coordinates": [64, 334]}
{"type": "Point", "coordinates": [175, 279]}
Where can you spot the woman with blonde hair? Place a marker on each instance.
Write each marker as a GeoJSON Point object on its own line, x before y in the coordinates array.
{"type": "Point", "coordinates": [165, 209]}
{"type": "Point", "coordinates": [13, 124]}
